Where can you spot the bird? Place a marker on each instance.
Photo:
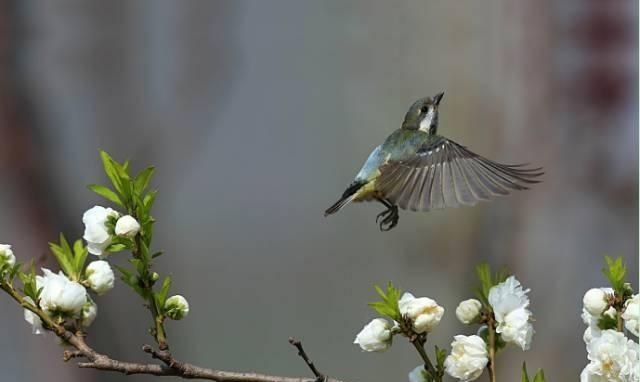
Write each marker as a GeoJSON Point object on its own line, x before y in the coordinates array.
{"type": "Point", "coordinates": [417, 169]}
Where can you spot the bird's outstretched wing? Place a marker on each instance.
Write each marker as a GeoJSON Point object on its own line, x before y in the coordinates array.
{"type": "Point", "coordinates": [443, 174]}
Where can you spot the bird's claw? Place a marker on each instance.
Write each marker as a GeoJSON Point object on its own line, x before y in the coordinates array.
{"type": "Point", "coordinates": [389, 218]}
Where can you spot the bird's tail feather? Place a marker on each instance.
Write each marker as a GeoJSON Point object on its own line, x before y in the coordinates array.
{"type": "Point", "coordinates": [346, 198]}
{"type": "Point", "coordinates": [338, 205]}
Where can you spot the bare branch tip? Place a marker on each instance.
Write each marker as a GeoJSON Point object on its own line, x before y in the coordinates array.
{"type": "Point", "coordinates": [67, 355]}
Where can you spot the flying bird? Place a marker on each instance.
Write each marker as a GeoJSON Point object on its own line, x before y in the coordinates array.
{"type": "Point", "coordinates": [416, 169]}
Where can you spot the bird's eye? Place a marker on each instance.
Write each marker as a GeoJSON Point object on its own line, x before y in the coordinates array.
{"type": "Point", "coordinates": [424, 109]}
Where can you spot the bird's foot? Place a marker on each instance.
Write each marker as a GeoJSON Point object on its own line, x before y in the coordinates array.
{"type": "Point", "coordinates": [388, 218]}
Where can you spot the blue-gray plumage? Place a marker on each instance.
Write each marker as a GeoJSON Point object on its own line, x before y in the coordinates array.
{"type": "Point", "coordinates": [417, 169]}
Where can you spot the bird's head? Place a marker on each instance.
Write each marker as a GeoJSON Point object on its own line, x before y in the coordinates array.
{"type": "Point", "coordinates": [423, 114]}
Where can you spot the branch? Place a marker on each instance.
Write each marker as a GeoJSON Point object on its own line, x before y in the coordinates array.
{"type": "Point", "coordinates": [171, 367]}
{"type": "Point", "coordinates": [319, 376]}
{"type": "Point", "coordinates": [418, 342]}
{"type": "Point", "coordinates": [492, 348]}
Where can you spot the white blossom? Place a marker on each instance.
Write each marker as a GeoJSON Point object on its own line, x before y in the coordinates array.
{"type": "Point", "coordinates": [32, 318]}
{"type": "Point", "coordinates": [591, 320]}
{"type": "Point", "coordinates": [614, 358]}
{"type": "Point", "coordinates": [176, 307]}
{"type": "Point", "coordinates": [6, 255]}
{"type": "Point", "coordinates": [96, 233]}
{"type": "Point", "coordinates": [100, 276]}
{"type": "Point", "coordinates": [468, 358]}
{"type": "Point", "coordinates": [60, 295]}
{"type": "Point", "coordinates": [468, 310]}
{"type": "Point", "coordinates": [589, 333]}
{"type": "Point", "coordinates": [516, 328]}
{"type": "Point", "coordinates": [595, 301]}
{"type": "Point", "coordinates": [417, 374]}
{"type": "Point", "coordinates": [631, 315]}
{"type": "Point", "coordinates": [510, 302]}
{"type": "Point", "coordinates": [375, 336]}
{"type": "Point", "coordinates": [127, 226]}
{"type": "Point", "coordinates": [89, 312]}
{"type": "Point", "coordinates": [424, 313]}
{"type": "Point", "coordinates": [592, 329]}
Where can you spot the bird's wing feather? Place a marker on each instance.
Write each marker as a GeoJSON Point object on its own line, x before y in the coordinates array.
{"type": "Point", "coordinates": [443, 173]}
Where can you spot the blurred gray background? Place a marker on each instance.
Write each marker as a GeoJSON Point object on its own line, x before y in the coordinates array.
{"type": "Point", "coordinates": [257, 114]}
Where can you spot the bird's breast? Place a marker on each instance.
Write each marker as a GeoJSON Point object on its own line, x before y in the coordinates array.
{"type": "Point", "coordinates": [366, 193]}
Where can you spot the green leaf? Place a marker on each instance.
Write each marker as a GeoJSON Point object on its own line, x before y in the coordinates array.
{"type": "Point", "coordinates": [161, 296]}
{"type": "Point", "coordinates": [144, 252]}
{"type": "Point", "coordinates": [615, 272]}
{"type": "Point", "coordinates": [539, 376]}
{"type": "Point", "coordinates": [122, 170]}
{"type": "Point", "coordinates": [110, 169]}
{"type": "Point", "coordinates": [106, 193]}
{"type": "Point", "coordinates": [607, 322]}
{"type": "Point", "coordinates": [488, 281]}
{"type": "Point", "coordinates": [130, 279]}
{"type": "Point", "coordinates": [64, 256]}
{"type": "Point", "coordinates": [29, 286]}
{"type": "Point", "coordinates": [139, 265]}
{"type": "Point", "coordinates": [441, 355]}
{"type": "Point", "coordinates": [15, 270]}
{"type": "Point", "coordinates": [80, 255]}
{"type": "Point", "coordinates": [142, 179]}
{"type": "Point", "coordinates": [525, 375]}
{"type": "Point", "coordinates": [117, 247]}
{"type": "Point", "coordinates": [149, 199]}
{"type": "Point", "coordinates": [382, 308]}
{"type": "Point", "coordinates": [389, 305]}
{"type": "Point", "coordinates": [126, 274]}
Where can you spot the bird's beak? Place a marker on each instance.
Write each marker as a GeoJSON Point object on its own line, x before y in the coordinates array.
{"type": "Point", "coordinates": [437, 98]}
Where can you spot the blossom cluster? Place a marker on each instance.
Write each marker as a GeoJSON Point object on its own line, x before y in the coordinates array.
{"type": "Point", "coordinates": [505, 309]}
{"type": "Point", "coordinates": [63, 298]}
{"type": "Point", "coordinates": [64, 295]}
{"type": "Point", "coordinates": [612, 355]}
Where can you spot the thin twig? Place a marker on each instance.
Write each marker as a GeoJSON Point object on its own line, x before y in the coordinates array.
{"type": "Point", "coordinates": [67, 355]}
{"type": "Point", "coordinates": [418, 343]}
{"type": "Point", "coordinates": [492, 348]}
{"type": "Point", "coordinates": [319, 376]}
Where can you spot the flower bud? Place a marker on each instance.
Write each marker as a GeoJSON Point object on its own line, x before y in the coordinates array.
{"type": "Point", "coordinates": [468, 311]}
{"type": "Point", "coordinates": [176, 307]}
{"type": "Point", "coordinates": [89, 313]}
{"type": "Point", "coordinates": [611, 312]}
{"type": "Point", "coordinates": [32, 318]}
{"type": "Point", "coordinates": [127, 226]}
{"type": "Point", "coordinates": [424, 312]}
{"type": "Point", "coordinates": [418, 374]}
{"type": "Point", "coordinates": [60, 296]}
{"type": "Point", "coordinates": [631, 315]}
{"type": "Point", "coordinates": [595, 301]}
{"type": "Point", "coordinates": [6, 255]}
{"type": "Point", "coordinates": [155, 276]}
{"type": "Point", "coordinates": [96, 233]}
{"type": "Point", "coordinates": [375, 336]}
{"type": "Point", "coordinates": [100, 276]}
